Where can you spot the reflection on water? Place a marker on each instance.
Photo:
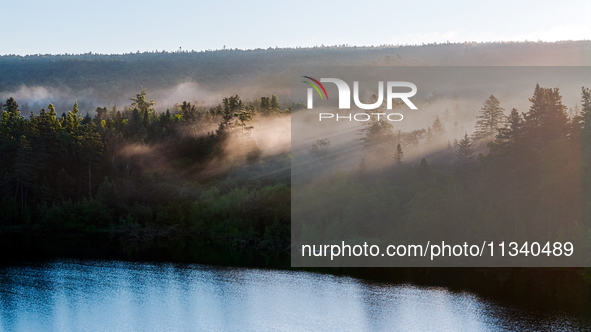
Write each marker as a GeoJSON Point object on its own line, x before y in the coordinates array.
{"type": "Point", "coordinates": [121, 296]}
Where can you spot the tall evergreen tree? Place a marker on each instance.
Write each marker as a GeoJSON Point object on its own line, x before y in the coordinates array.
{"type": "Point", "coordinates": [437, 130]}
{"type": "Point", "coordinates": [546, 119]}
{"type": "Point", "coordinates": [73, 119]}
{"type": "Point", "coordinates": [513, 130]}
{"type": "Point", "coordinates": [464, 156]}
{"type": "Point", "coordinates": [274, 104]}
{"type": "Point", "coordinates": [490, 119]}
{"type": "Point", "coordinates": [189, 112]}
{"type": "Point", "coordinates": [232, 107]}
{"type": "Point", "coordinates": [424, 168]}
{"type": "Point", "coordinates": [12, 127]}
{"type": "Point", "coordinates": [265, 105]}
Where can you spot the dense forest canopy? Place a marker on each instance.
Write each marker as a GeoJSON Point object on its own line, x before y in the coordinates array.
{"type": "Point", "coordinates": [170, 171]}
{"type": "Point", "coordinates": [520, 175]}
{"type": "Point", "coordinates": [138, 173]}
{"type": "Point", "coordinates": [217, 170]}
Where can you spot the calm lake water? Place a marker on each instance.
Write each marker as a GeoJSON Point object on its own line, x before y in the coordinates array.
{"type": "Point", "coordinates": [122, 296]}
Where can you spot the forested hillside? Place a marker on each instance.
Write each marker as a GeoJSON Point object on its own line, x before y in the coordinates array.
{"type": "Point", "coordinates": [107, 80]}
{"type": "Point", "coordinates": [208, 180]}
{"type": "Point", "coordinates": [137, 175]}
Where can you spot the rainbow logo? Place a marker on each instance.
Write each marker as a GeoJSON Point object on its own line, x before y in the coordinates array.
{"type": "Point", "coordinates": [315, 87]}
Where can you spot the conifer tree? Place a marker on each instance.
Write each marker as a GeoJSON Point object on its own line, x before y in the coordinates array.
{"type": "Point", "coordinates": [464, 156]}
{"type": "Point", "coordinates": [232, 106]}
{"type": "Point", "coordinates": [490, 119]}
{"type": "Point", "coordinates": [437, 129]}
{"type": "Point", "coordinates": [513, 130]}
{"type": "Point", "coordinates": [265, 105]}
{"type": "Point", "coordinates": [424, 168]}
{"type": "Point", "coordinates": [546, 119]}
{"type": "Point", "coordinates": [274, 104]}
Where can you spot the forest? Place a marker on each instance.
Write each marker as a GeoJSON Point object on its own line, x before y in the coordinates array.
{"type": "Point", "coordinates": [516, 175]}
{"type": "Point", "coordinates": [143, 177]}
{"type": "Point", "coordinates": [199, 183]}
{"type": "Point", "coordinates": [209, 182]}
{"type": "Point", "coordinates": [109, 79]}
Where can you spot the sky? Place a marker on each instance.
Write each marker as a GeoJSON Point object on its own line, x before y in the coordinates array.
{"type": "Point", "coordinates": [118, 26]}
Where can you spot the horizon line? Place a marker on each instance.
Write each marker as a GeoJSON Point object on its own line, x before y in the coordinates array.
{"type": "Point", "coordinates": [224, 49]}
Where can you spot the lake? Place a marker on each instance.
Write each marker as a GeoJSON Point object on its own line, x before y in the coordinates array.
{"type": "Point", "coordinates": [79, 295]}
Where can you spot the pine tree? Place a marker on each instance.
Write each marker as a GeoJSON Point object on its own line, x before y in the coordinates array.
{"type": "Point", "coordinates": [265, 105]}
{"type": "Point", "coordinates": [52, 113]}
{"type": "Point", "coordinates": [429, 135]}
{"type": "Point", "coordinates": [11, 107]}
{"type": "Point", "coordinates": [73, 119]}
{"type": "Point", "coordinates": [274, 104]}
{"type": "Point", "coordinates": [513, 130]}
{"type": "Point", "coordinates": [437, 129]}
{"type": "Point", "coordinates": [546, 119]}
{"type": "Point", "coordinates": [86, 119]}
{"type": "Point", "coordinates": [12, 127]}
{"type": "Point", "coordinates": [165, 121]}
{"type": "Point", "coordinates": [189, 112]}
{"type": "Point", "coordinates": [464, 156]}
{"type": "Point", "coordinates": [424, 168]}
{"type": "Point", "coordinates": [232, 106]}
{"type": "Point", "coordinates": [491, 118]}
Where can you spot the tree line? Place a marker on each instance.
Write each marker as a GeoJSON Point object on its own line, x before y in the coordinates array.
{"type": "Point", "coordinates": [531, 178]}
{"type": "Point", "coordinates": [136, 172]}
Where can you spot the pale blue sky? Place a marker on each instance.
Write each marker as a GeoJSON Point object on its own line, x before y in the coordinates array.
{"type": "Point", "coordinates": [110, 26]}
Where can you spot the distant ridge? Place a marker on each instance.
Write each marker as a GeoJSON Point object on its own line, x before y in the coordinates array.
{"type": "Point", "coordinates": [111, 78]}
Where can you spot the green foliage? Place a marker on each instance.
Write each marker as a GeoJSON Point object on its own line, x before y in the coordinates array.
{"type": "Point", "coordinates": [143, 176]}
{"type": "Point", "coordinates": [145, 172]}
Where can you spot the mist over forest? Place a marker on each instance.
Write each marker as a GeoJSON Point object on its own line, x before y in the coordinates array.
{"type": "Point", "coordinates": [187, 155]}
